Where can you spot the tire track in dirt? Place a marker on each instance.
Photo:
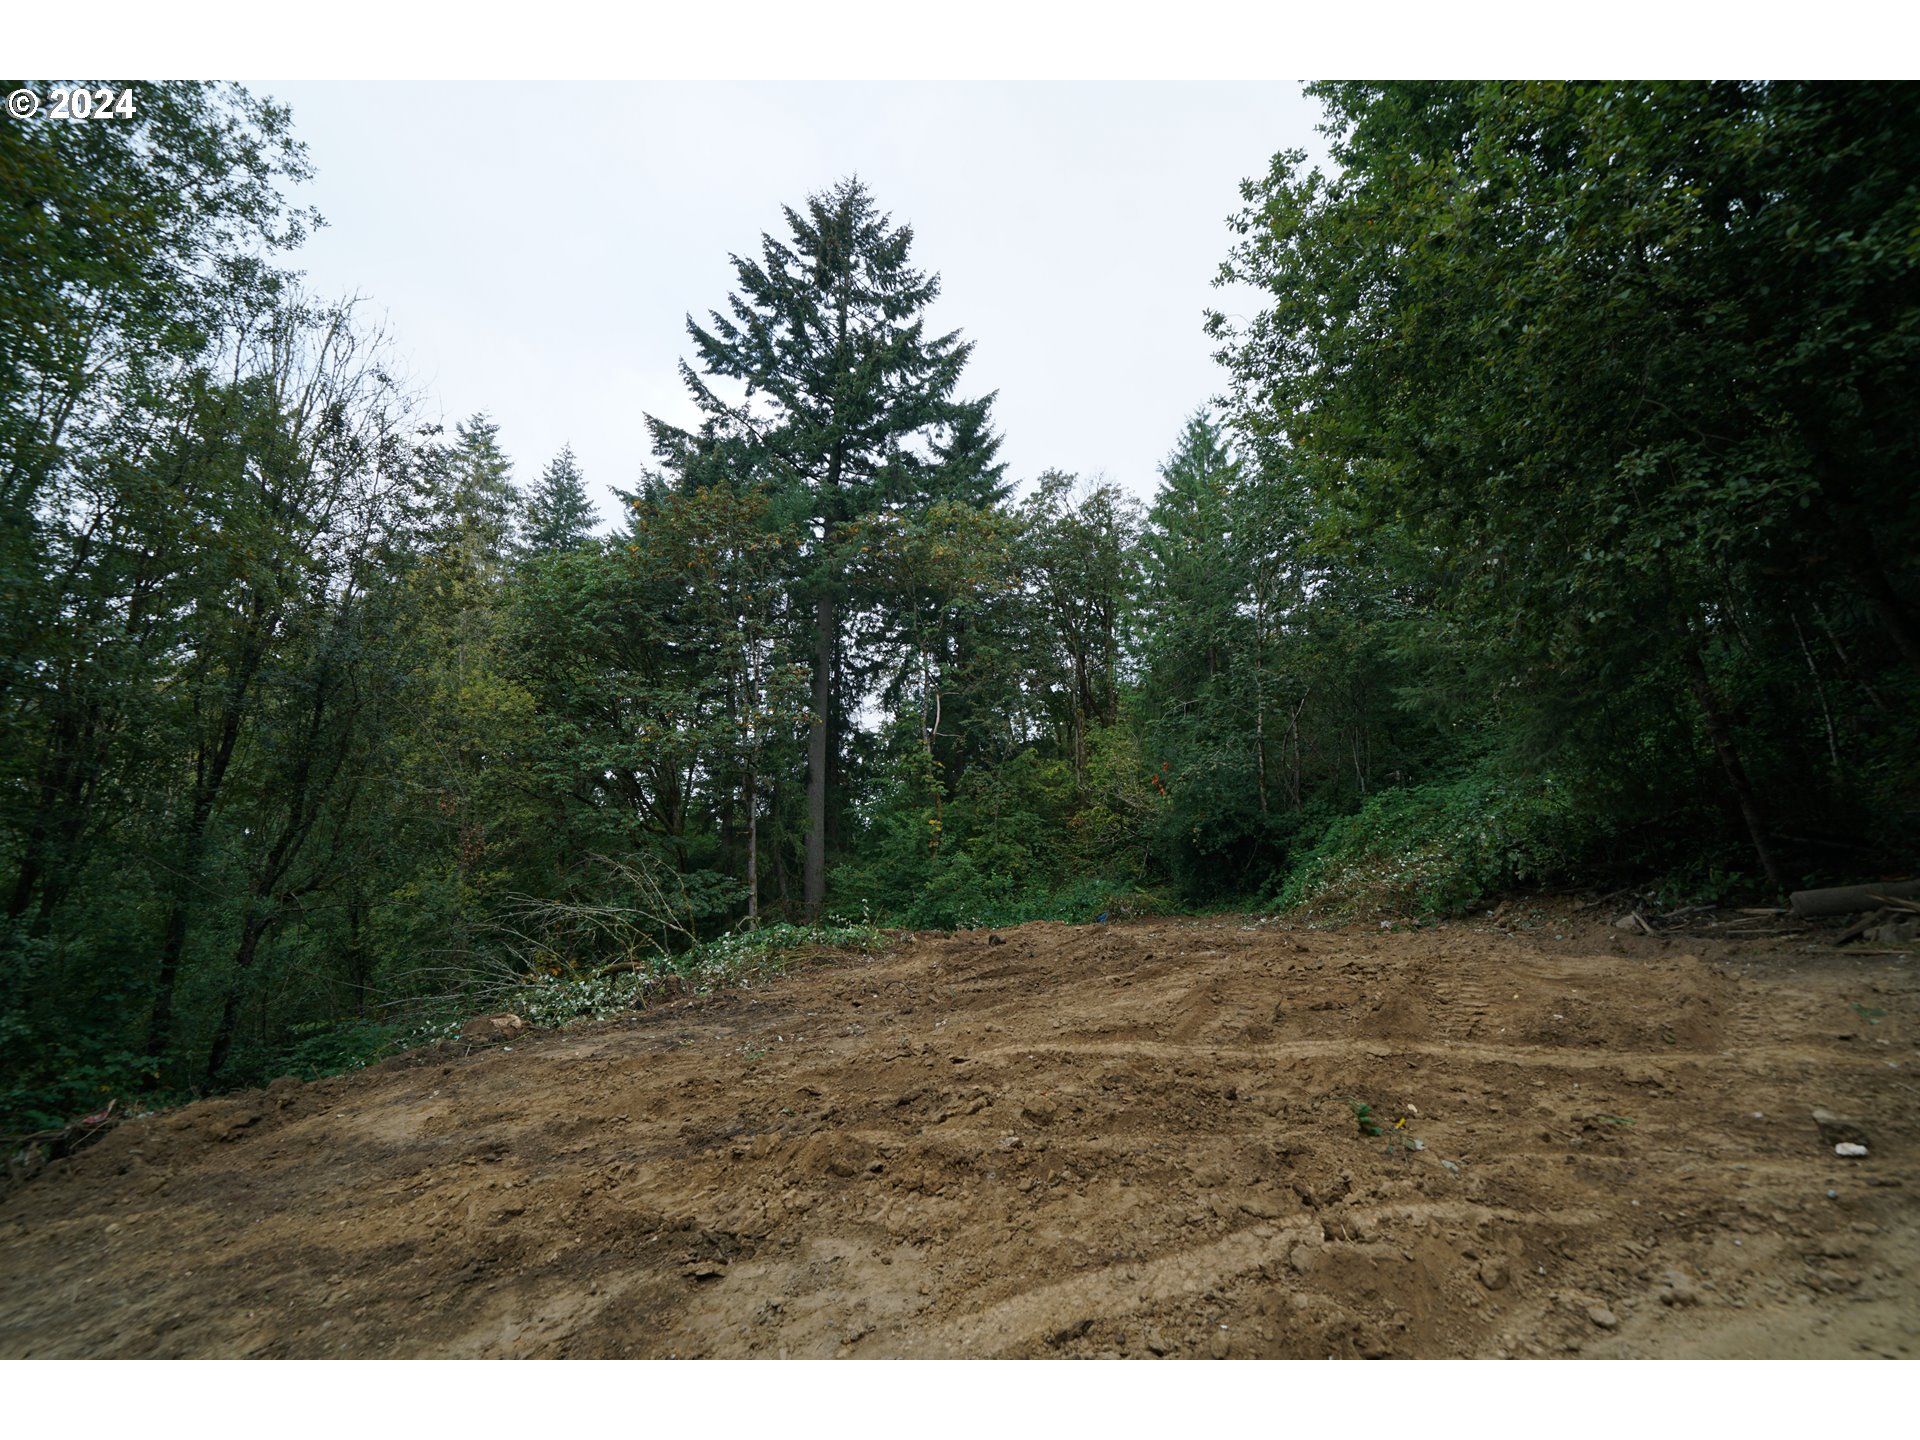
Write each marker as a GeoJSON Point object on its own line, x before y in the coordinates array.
{"type": "Point", "coordinates": [1127, 1140]}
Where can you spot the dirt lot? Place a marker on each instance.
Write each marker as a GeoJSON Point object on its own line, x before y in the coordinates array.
{"type": "Point", "coordinates": [1093, 1141]}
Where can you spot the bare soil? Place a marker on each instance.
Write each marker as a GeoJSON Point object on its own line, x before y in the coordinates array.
{"type": "Point", "coordinates": [1129, 1140]}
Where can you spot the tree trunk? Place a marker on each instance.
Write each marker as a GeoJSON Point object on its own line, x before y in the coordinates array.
{"type": "Point", "coordinates": [782, 879]}
{"type": "Point", "coordinates": [1820, 691]}
{"type": "Point", "coordinates": [814, 889]}
{"type": "Point", "coordinates": [173, 939]}
{"type": "Point", "coordinates": [753, 850]}
{"type": "Point", "coordinates": [1847, 662]}
{"type": "Point", "coordinates": [1293, 734]}
{"type": "Point", "coordinates": [251, 929]}
{"type": "Point", "coordinates": [1721, 733]}
{"type": "Point", "coordinates": [49, 859]}
{"type": "Point", "coordinates": [1260, 737]}
{"type": "Point", "coordinates": [210, 774]}
{"type": "Point", "coordinates": [263, 909]}
{"type": "Point", "coordinates": [359, 970]}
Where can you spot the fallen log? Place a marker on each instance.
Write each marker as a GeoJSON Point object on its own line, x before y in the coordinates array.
{"type": "Point", "coordinates": [1851, 899]}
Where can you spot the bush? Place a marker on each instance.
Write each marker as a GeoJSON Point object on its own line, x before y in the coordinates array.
{"type": "Point", "coordinates": [68, 1083]}
{"type": "Point", "coordinates": [327, 1047]}
{"type": "Point", "coordinates": [1440, 848]}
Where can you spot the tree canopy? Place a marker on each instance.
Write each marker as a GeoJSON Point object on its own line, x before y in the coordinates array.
{"type": "Point", "coordinates": [1556, 525]}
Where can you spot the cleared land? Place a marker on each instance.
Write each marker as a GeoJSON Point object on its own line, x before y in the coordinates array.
{"type": "Point", "coordinates": [1133, 1139]}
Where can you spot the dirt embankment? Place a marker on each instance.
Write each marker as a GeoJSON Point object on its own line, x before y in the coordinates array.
{"type": "Point", "coordinates": [1106, 1140]}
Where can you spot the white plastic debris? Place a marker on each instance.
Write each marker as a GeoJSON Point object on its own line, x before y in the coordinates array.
{"type": "Point", "coordinates": [1852, 1152]}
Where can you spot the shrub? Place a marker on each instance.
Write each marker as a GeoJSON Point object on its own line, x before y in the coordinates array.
{"type": "Point", "coordinates": [1440, 848]}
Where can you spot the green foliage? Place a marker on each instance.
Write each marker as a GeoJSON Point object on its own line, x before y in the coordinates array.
{"type": "Point", "coordinates": [69, 1081]}
{"type": "Point", "coordinates": [329, 1047]}
{"type": "Point", "coordinates": [746, 957]}
{"type": "Point", "coordinates": [1440, 848]}
{"type": "Point", "coordinates": [1608, 373]}
{"type": "Point", "coordinates": [1709, 884]}
{"type": "Point", "coordinates": [1559, 527]}
{"type": "Point", "coordinates": [1015, 841]}
{"type": "Point", "coordinates": [558, 515]}
{"type": "Point", "coordinates": [738, 960]}
{"type": "Point", "coordinates": [851, 419]}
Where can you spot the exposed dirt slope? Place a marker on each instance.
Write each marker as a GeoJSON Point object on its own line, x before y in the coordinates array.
{"type": "Point", "coordinates": [1106, 1140]}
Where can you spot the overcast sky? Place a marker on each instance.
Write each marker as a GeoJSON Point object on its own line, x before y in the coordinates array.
{"type": "Point", "coordinates": [535, 249]}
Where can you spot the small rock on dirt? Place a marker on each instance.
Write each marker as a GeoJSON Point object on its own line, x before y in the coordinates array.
{"type": "Point", "coordinates": [1219, 1345]}
{"type": "Point", "coordinates": [1894, 932]}
{"type": "Point", "coordinates": [1677, 1289]}
{"type": "Point", "coordinates": [486, 1028]}
{"type": "Point", "coordinates": [1849, 1151]}
{"type": "Point", "coordinates": [1494, 1274]}
{"type": "Point", "coordinates": [1602, 1316]}
{"type": "Point", "coordinates": [1071, 1332]}
{"type": "Point", "coordinates": [1839, 1129]}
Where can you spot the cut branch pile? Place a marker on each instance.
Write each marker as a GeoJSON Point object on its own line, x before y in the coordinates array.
{"type": "Point", "coordinates": [1884, 913]}
{"type": "Point", "coordinates": [28, 1155]}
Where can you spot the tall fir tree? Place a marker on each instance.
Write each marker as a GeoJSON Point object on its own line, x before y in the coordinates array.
{"type": "Point", "coordinates": [558, 514]}
{"type": "Point", "coordinates": [1186, 545]}
{"type": "Point", "coordinates": [476, 500]}
{"type": "Point", "coordinates": [849, 412]}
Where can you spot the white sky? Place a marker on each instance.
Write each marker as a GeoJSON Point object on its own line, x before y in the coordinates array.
{"type": "Point", "coordinates": [535, 249]}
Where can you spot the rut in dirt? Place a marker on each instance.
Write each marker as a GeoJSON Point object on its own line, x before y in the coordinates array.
{"type": "Point", "coordinates": [1144, 1139]}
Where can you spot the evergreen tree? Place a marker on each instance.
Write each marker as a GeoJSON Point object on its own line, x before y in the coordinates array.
{"type": "Point", "coordinates": [477, 503]}
{"type": "Point", "coordinates": [1192, 604]}
{"type": "Point", "coordinates": [558, 515]}
{"type": "Point", "coordinates": [850, 412]}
